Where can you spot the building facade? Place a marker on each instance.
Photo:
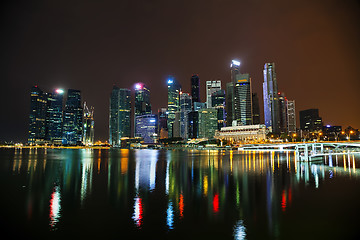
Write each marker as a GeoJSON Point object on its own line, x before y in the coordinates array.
{"type": "Point", "coordinates": [255, 109]}
{"type": "Point", "coordinates": [310, 120]}
{"type": "Point", "coordinates": [37, 117]}
{"type": "Point", "coordinates": [208, 122]}
{"type": "Point", "coordinates": [242, 101]}
{"type": "Point", "coordinates": [238, 134]}
{"type": "Point", "coordinates": [54, 118]}
{"type": "Point", "coordinates": [89, 126]}
{"type": "Point", "coordinates": [211, 87]}
{"type": "Point", "coordinates": [73, 118]}
{"type": "Point", "coordinates": [185, 108]}
{"type": "Point", "coordinates": [195, 88]}
{"type": "Point", "coordinates": [146, 128]}
{"type": "Point", "coordinates": [120, 115]}
{"type": "Point", "coordinates": [291, 117]}
{"type": "Point", "coordinates": [271, 101]}
{"type": "Point", "coordinates": [218, 102]}
{"type": "Point", "coordinates": [174, 89]}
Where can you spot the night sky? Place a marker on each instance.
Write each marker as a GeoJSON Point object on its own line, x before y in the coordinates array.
{"type": "Point", "coordinates": [91, 45]}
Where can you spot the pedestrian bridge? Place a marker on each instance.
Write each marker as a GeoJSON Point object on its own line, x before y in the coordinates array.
{"type": "Point", "coordinates": [307, 151]}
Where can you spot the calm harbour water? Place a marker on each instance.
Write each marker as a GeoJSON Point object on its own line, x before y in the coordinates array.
{"type": "Point", "coordinates": [175, 194]}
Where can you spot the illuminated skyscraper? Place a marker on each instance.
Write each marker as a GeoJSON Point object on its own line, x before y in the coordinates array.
{"type": "Point", "coordinates": [146, 127]}
{"type": "Point", "coordinates": [37, 117]}
{"type": "Point", "coordinates": [291, 116]}
{"type": "Point", "coordinates": [54, 119]}
{"type": "Point", "coordinates": [195, 88]}
{"type": "Point", "coordinates": [162, 123]}
{"type": "Point", "coordinates": [73, 117]}
{"type": "Point", "coordinates": [211, 87]}
{"type": "Point", "coordinates": [142, 99]}
{"type": "Point", "coordinates": [208, 122]}
{"type": "Point", "coordinates": [174, 89]}
{"type": "Point", "coordinates": [120, 112]}
{"type": "Point", "coordinates": [283, 112]}
{"type": "Point", "coordinates": [271, 101]}
{"type": "Point", "coordinates": [185, 108]}
{"type": "Point", "coordinates": [218, 102]}
{"type": "Point", "coordinates": [242, 101]}
{"type": "Point", "coordinates": [88, 128]}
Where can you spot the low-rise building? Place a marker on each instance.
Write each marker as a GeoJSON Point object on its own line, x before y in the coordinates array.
{"type": "Point", "coordinates": [243, 133]}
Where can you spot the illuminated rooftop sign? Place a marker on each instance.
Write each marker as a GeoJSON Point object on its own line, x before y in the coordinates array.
{"type": "Point", "coordinates": [235, 63]}
{"type": "Point", "coordinates": [59, 91]}
{"type": "Point", "coordinates": [138, 86]}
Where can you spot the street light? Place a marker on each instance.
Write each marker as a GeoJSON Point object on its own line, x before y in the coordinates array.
{"type": "Point", "coordinates": [348, 135]}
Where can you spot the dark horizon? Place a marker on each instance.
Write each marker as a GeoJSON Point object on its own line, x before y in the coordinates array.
{"type": "Point", "coordinates": [90, 46]}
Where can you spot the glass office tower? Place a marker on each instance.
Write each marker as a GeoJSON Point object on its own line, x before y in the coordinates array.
{"type": "Point", "coordinates": [174, 89]}
{"type": "Point", "coordinates": [73, 118]}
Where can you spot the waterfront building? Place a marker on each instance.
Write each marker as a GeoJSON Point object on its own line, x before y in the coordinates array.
{"type": "Point", "coordinates": [291, 117]}
{"type": "Point", "coordinates": [162, 123]}
{"type": "Point", "coordinates": [185, 108]}
{"type": "Point", "coordinates": [73, 117]}
{"type": "Point", "coordinates": [88, 128]}
{"type": "Point", "coordinates": [146, 127]}
{"type": "Point", "coordinates": [310, 120]}
{"type": "Point", "coordinates": [242, 101]}
{"type": "Point", "coordinates": [37, 117]}
{"type": "Point", "coordinates": [236, 134]}
{"type": "Point", "coordinates": [195, 88]}
{"type": "Point", "coordinates": [193, 124]}
{"type": "Point", "coordinates": [255, 109]}
{"type": "Point", "coordinates": [174, 89]}
{"type": "Point", "coordinates": [54, 118]}
{"type": "Point", "coordinates": [211, 87]}
{"type": "Point", "coordinates": [283, 112]}
{"type": "Point", "coordinates": [208, 122]}
{"type": "Point", "coordinates": [120, 114]}
{"type": "Point", "coordinates": [332, 132]}
{"type": "Point", "coordinates": [218, 102]}
{"type": "Point", "coordinates": [229, 103]}
{"type": "Point", "coordinates": [271, 101]}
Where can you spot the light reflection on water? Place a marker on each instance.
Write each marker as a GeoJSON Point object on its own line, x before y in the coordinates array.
{"type": "Point", "coordinates": [170, 190]}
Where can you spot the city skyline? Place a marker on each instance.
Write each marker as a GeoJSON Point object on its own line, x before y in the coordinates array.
{"type": "Point", "coordinates": [316, 59]}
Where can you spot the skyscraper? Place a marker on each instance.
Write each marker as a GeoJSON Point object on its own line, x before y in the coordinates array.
{"type": "Point", "coordinates": [37, 117]}
{"type": "Point", "coordinates": [242, 110]}
{"type": "Point", "coordinates": [120, 114]}
{"type": "Point", "coordinates": [218, 102]}
{"type": "Point", "coordinates": [88, 128]}
{"type": "Point", "coordinates": [185, 108]}
{"type": "Point", "coordinates": [162, 123]}
{"type": "Point", "coordinates": [291, 116]}
{"type": "Point", "coordinates": [211, 87]}
{"type": "Point", "coordinates": [208, 122]}
{"type": "Point", "coordinates": [54, 118]}
{"type": "Point", "coordinates": [193, 124]}
{"type": "Point", "coordinates": [73, 117]}
{"type": "Point", "coordinates": [283, 112]}
{"type": "Point", "coordinates": [174, 89]}
{"type": "Point", "coordinates": [229, 104]}
{"type": "Point", "coordinates": [146, 127]}
{"type": "Point", "coordinates": [142, 99]}
{"type": "Point", "coordinates": [256, 109]}
{"type": "Point", "coordinates": [195, 88]}
{"type": "Point", "coordinates": [271, 101]}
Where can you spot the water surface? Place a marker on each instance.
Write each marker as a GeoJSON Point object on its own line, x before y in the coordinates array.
{"type": "Point", "coordinates": [175, 194]}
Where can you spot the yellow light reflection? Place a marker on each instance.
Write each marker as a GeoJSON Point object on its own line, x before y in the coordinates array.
{"type": "Point", "coordinates": [205, 185]}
